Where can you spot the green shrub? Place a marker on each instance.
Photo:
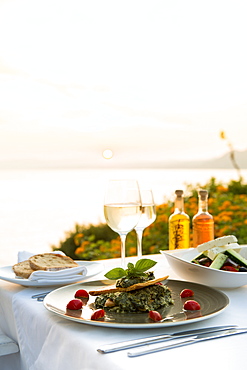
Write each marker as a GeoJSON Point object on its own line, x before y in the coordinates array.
{"type": "Point", "coordinates": [227, 203]}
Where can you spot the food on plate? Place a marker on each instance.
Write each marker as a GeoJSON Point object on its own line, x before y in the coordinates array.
{"type": "Point", "coordinates": [112, 311]}
{"type": "Point", "coordinates": [219, 242]}
{"type": "Point", "coordinates": [51, 262]}
{"type": "Point", "coordinates": [74, 304]}
{"type": "Point", "coordinates": [221, 254]}
{"type": "Point", "coordinates": [186, 293]}
{"type": "Point", "coordinates": [148, 298]}
{"type": "Point", "coordinates": [233, 269]}
{"type": "Point", "coordinates": [155, 315]}
{"type": "Point", "coordinates": [23, 269]}
{"type": "Point", "coordinates": [114, 289]}
{"type": "Point", "coordinates": [98, 314]}
{"type": "Point", "coordinates": [136, 290]}
{"type": "Point", "coordinates": [81, 293]}
{"type": "Point", "coordinates": [192, 305]}
{"type": "Point", "coordinates": [45, 261]}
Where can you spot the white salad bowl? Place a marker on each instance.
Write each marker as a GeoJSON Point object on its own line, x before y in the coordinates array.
{"type": "Point", "coordinates": [179, 260]}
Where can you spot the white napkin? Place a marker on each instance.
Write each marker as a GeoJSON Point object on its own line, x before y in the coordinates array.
{"type": "Point", "coordinates": [72, 274]}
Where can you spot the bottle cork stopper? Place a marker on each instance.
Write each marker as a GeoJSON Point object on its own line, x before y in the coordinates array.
{"type": "Point", "coordinates": [203, 194]}
{"type": "Point", "coordinates": [179, 193]}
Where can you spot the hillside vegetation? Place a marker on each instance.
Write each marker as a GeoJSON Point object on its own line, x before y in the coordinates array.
{"type": "Point", "coordinates": [227, 204]}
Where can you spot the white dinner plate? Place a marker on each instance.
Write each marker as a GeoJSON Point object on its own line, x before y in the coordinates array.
{"type": "Point", "coordinates": [93, 268]}
{"type": "Point", "coordinates": [211, 300]}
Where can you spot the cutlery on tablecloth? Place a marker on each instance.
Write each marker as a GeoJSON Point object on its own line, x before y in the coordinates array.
{"type": "Point", "coordinates": [186, 341]}
{"type": "Point", "coordinates": [108, 348]}
{"type": "Point", "coordinates": [40, 297]}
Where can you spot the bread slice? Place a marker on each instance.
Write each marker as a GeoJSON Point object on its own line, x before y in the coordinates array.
{"type": "Point", "coordinates": [219, 242]}
{"type": "Point", "coordinates": [23, 269]}
{"type": "Point", "coordinates": [51, 262]}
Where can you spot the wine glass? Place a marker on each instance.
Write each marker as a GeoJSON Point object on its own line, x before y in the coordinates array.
{"type": "Point", "coordinates": [148, 216]}
{"type": "Point", "coordinates": [122, 208]}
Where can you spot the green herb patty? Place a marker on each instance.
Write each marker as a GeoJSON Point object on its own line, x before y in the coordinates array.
{"type": "Point", "coordinates": [145, 299]}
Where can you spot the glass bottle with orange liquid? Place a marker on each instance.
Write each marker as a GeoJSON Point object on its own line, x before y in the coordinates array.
{"type": "Point", "coordinates": [179, 224]}
{"type": "Point", "coordinates": [202, 222]}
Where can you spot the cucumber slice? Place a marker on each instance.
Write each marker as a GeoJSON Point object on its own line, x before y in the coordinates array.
{"type": "Point", "coordinates": [198, 257]}
{"type": "Point", "coordinates": [236, 257]}
{"type": "Point", "coordinates": [219, 261]}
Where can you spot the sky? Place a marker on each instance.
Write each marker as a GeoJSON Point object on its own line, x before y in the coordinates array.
{"type": "Point", "coordinates": [151, 80]}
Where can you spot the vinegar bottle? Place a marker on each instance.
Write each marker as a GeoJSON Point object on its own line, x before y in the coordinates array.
{"type": "Point", "coordinates": [202, 222]}
{"type": "Point", "coordinates": [179, 224]}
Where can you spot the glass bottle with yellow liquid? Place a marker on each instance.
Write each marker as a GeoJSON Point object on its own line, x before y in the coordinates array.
{"type": "Point", "coordinates": [179, 224]}
{"type": "Point", "coordinates": [202, 222]}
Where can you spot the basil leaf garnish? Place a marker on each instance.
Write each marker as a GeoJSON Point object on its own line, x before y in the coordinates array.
{"type": "Point", "coordinates": [144, 264]}
{"type": "Point", "coordinates": [130, 266]}
{"type": "Point", "coordinates": [132, 270]}
{"type": "Point", "coordinates": [115, 273]}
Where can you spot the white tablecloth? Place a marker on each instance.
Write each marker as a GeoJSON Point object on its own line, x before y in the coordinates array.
{"type": "Point", "coordinates": [48, 342]}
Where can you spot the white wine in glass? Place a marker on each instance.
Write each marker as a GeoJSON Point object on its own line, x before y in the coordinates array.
{"type": "Point", "coordinates": [148, 216]}
{"type": "Point", "coordinates": [122, 208]}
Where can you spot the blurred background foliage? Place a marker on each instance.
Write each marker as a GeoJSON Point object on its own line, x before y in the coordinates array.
{"type": "Point", "coordinates": [227, 203]}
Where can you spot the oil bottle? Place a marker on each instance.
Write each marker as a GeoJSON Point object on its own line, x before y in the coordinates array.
{"type": "Point", "coordinates": [202, 222]}
{"type": "Point", "coordinates": [179, 224]}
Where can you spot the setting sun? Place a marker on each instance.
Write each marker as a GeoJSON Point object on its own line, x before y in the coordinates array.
{"type": "Point", "coordinates": [107, 154]}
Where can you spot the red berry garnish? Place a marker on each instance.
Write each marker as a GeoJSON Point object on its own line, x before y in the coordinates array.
{"type": "Point", "coordinates": [81, 293]}
{"type": "Point", "coordinates": [154, 315]}
{"type": "Point", "coordinates": [74, 304]}
{"type": "Point", "coordinates": [98, 314]}
{"type": "Point", "coordinates": [186, 293]}
{"type": "Point", "coordinates": [192, 305]}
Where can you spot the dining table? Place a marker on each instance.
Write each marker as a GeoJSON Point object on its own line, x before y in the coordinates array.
{"type": "Point", "coordinates": [49, 341]}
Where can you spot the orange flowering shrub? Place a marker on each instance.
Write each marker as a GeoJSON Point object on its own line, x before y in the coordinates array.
{"type": "Point", "coordinates": [227, 204]}
{"type": "Point", "coordinates": [90, 243]}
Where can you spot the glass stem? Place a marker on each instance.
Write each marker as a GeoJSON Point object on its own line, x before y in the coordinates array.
{"type": "Point", "coordinates": [139, 233]}
{"type": "Point", "coordinates": [123, 239]}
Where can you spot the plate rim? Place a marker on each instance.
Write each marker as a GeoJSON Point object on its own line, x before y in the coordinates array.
{"type": "Point", "coordinates": [150, 325]}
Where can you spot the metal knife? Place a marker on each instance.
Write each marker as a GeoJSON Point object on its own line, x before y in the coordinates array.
{"type": "Point", "coordinates": [108, 348]}
{"type": "Point", "coordinates": [186, 341]}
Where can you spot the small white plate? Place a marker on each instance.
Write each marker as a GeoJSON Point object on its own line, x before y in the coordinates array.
{"type": "Point", "coordinates": [93, 268]}
{"type": "Point", "coordinates": [179, 260]}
